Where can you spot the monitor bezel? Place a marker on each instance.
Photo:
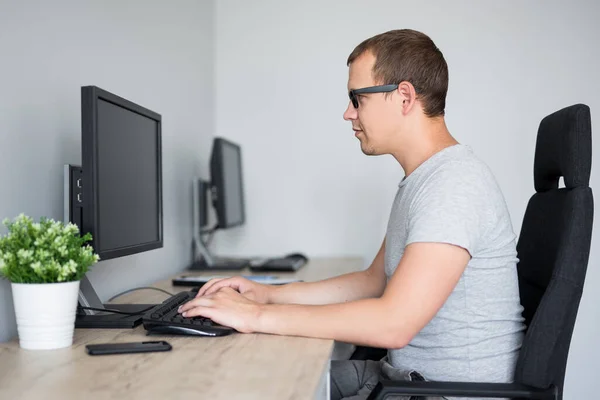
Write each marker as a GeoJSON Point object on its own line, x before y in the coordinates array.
{"type": "Point", "coordinates": [90, 95]}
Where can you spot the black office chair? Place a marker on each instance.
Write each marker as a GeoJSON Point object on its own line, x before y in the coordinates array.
{"type": "Point", "coordinates": [553, 250]}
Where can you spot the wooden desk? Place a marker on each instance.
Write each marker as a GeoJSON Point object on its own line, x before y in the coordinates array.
{"type": "Point", "coordinates": [238, 366]}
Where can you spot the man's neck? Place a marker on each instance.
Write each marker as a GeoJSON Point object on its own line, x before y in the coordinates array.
{"type": "Point", "coordinates": [429, 138]}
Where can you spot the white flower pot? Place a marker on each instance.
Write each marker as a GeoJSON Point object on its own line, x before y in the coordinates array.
{"type": "Point", "coordinates": [45, 314]}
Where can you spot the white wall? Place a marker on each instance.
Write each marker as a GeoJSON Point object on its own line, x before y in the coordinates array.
{"type": "Point", "coordinates": [281, 91]}
{"type": "Point", "coordinates": [149, 52]}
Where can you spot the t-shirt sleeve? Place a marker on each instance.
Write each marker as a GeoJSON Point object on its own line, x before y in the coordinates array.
{"type": "Point", "coordinates": [450, 207]}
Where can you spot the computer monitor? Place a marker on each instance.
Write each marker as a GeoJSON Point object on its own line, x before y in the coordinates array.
{"type": "Point", "coordinates": [226, 183]}
{"type": "Point", "coordinates": [121, 160]}
{"type": "Point", "coordinates": [226, 190]}
{"type": "Point", "coordinates": [116, 195]}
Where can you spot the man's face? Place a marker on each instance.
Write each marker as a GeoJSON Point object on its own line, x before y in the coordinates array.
{"type": "Point", "coordinates": [377, 119]}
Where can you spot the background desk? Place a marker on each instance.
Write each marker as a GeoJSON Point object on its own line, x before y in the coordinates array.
{"type": "Point", "coordinates": [237, 366]}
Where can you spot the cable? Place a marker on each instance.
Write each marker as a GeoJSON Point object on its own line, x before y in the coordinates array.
{"type": "Point", "coordinates": [210, 232]}
{"type": "Point", "coordinates": [110, 310]}
{"type": "Point", "coordinates": [207, 241]}
{"type": "Point", "coordinates": [138, 288]}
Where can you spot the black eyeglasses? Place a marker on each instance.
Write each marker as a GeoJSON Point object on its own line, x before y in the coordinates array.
{"type": "Point", "coordinates": [370, 89]}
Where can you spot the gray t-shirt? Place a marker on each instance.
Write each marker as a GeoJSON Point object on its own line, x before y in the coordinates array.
{"type": "Point", "coordinates": [453, 198]}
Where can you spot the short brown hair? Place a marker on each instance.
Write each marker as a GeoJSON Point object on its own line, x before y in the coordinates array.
{"type": "Point", "coordinates": [408, 55]}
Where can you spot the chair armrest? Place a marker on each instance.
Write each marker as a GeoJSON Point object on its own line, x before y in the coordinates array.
{"type": "Point", "coordinates": [460, 389]}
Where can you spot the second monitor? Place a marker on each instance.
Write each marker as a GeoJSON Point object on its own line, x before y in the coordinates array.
{"type": "Point", "coordinates": [226, 193]}
{"type": "Point", "coordinates": [227, 190]}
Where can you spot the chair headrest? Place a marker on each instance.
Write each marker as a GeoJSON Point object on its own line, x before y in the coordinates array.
{"type": "Point", "coordinates": [564, 148]}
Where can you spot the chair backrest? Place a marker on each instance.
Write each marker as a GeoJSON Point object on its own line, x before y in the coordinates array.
{"type": "Point", "coordinates": [554, 245]}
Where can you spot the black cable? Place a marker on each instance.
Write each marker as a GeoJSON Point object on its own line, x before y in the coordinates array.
{"type": "Point", "coordinates": [110, 310]}
{"type": "Point", "coordinates": [138, 288]}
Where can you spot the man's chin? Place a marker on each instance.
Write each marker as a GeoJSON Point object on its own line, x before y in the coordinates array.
{"type": "Point", "coordinates": [369, 151]}
{"type": "Point", "coordinates": [364, 146]}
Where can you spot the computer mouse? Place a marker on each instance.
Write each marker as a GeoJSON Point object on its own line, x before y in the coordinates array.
{"type": "Point", "coordinates": [181, 330]}
{"type": "Point", "coordinates": [297, 256]}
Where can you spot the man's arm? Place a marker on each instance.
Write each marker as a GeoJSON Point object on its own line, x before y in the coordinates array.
{"type": "Point", "coordinates": [425, 277]}
{"type": "Point", "coordinates": [343, 288]}
{"type": "Point", "coordinates": [340, 289]}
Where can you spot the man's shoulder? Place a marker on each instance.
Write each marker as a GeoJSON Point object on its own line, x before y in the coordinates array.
{"type": "Point", "coordinates": [466, 172]}
{"type": "Point", "coordinates": [460, 183]}
{"type": "Point", "coordinates": [462, 159]}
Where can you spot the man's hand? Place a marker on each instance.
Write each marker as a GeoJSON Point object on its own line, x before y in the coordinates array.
{"type": "Point", "coordinates": [226, 307]}
{"type": "Point", "coordinates": [251, 290]}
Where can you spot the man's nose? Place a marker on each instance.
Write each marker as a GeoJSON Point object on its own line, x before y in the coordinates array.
{"type": "Point", "coordinates": [351, 113]}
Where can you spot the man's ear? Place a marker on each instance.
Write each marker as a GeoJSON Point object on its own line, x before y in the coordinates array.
{"type": "Point", "coordinates": [408, 95]}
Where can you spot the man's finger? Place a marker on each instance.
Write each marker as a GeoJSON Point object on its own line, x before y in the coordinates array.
{"type": "Point", "coordinates": [199, 311]}
{"type": "Point", "coordinates": [216, 287]}
{"type": "Point", "coordinates": [207, 286]}
{"type": "Point", "coordinates": [227, 283]}
{"type": "Point", "coordinates": [196, 302]}
{"type": "Point", "coordinates": [204, 288]}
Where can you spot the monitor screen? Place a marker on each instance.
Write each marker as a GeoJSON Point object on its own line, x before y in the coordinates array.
{"type": "Point", "coordinates": [127, 177]}
{"type": "Point", "coordinates": [226, 177]}
{"type": "Point", "coordinates": [123, 165]}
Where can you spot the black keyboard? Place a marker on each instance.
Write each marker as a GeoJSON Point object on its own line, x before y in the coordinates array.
{"type": "Point", "coordinates": [284, 264]}
{"type": "Point", "coordinates": [164, 319]}
{"type": "Point", "coordinates": [222, 264]}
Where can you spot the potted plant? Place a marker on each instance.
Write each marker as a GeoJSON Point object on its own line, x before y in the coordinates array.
{"type": "Point", "coordinates": [44, 261]}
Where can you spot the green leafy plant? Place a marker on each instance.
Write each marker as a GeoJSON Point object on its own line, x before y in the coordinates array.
{"type": "Point", "coordinates": [44, 252]}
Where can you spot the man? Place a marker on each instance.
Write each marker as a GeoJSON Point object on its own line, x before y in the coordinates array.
{"type": "Point", "coordinates": [442, 292]}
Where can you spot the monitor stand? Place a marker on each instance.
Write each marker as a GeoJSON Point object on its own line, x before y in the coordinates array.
{"type": "Point", "coordinates": [73, 212]}
{"type": "Point", "coordinates": [205, 261]}
{"type": "Point", "coordinates": [108, 321]}
{"type": "Point", "coordinates": [202, 259]}
{"type": "Point", "coordinates": [105, 319]}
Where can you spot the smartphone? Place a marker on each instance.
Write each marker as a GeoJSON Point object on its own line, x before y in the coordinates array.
{"type": "Point", "coordinates": [125, 348]}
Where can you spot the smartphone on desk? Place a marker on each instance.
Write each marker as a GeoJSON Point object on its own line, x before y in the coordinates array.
{"type": "Point", "coordinates": [126, 348]}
